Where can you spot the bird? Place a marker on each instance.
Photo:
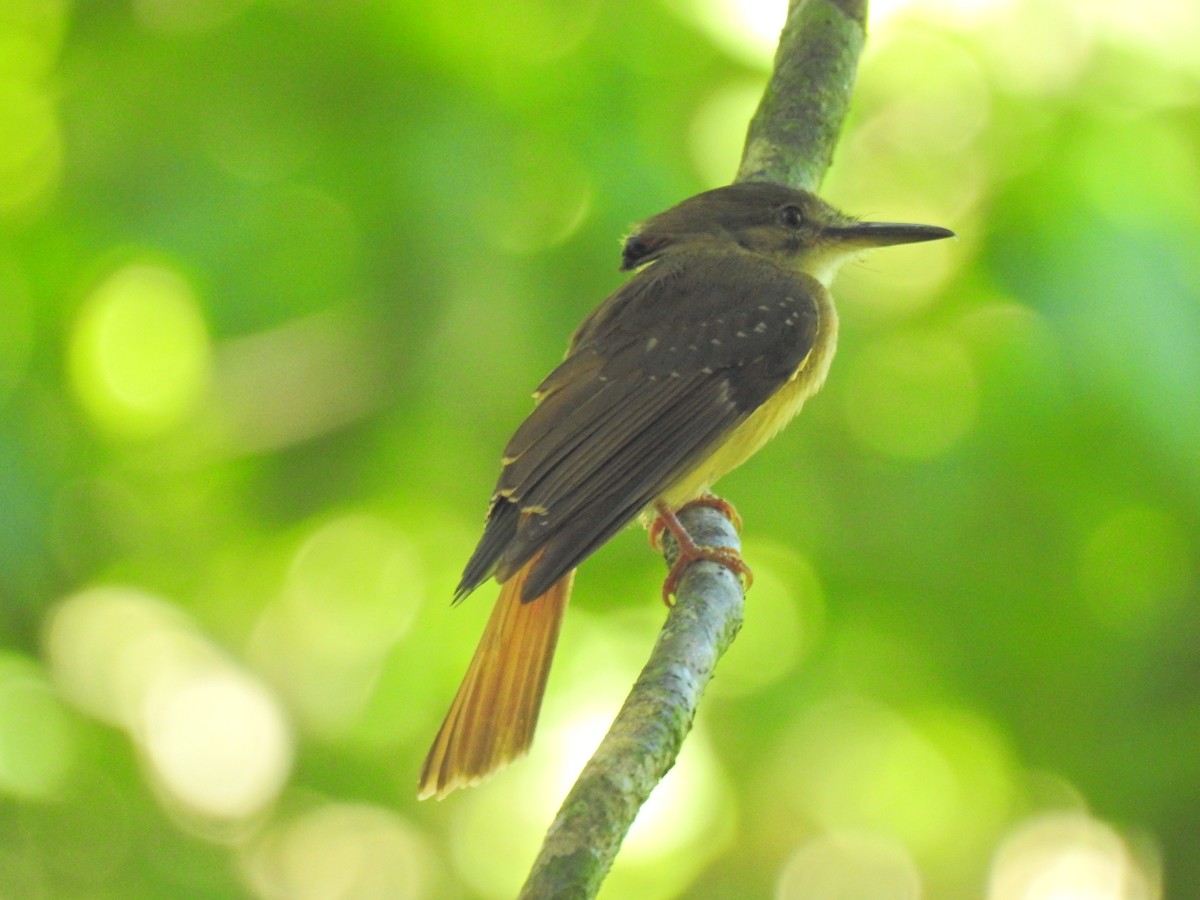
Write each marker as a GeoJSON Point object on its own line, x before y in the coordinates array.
{"type": "Point", "coordinates": [724, 330]}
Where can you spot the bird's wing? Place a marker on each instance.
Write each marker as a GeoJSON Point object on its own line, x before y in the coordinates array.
{"type": "Point", "coordinates": [656, 376]}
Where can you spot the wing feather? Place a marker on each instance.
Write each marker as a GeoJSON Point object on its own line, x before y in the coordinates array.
{"type": "Point", "coordinates": [655, 378]}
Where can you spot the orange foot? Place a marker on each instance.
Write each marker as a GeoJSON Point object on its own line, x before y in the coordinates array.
{"type": "Point", "coordinates": [689, 550]}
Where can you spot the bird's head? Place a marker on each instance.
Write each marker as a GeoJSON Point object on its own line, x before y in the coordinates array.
{"type": "Point", "coordinates": [793, 227]}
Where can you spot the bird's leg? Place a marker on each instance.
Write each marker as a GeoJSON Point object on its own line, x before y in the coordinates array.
{"type": "Point", "coordinates": [689, 550]}
{"type": "Point", "coordinates": [724, 507]}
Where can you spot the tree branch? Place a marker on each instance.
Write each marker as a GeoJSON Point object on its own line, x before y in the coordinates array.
{"type": "Point", "coordinates": [646, 735]}
{"type": "Point", "coordinates": [790, 141]}
{"type": "Point", "coordinates": [793, 133]}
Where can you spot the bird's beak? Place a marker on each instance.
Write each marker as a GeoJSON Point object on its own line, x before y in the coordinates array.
{"type": "Point", "coordinates": [867, 235]}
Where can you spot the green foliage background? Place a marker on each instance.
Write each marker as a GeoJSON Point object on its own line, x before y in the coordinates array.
{"type": "Point", "coordinates": [276, 281]}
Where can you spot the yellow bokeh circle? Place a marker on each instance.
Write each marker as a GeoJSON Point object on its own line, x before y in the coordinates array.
{"type": "Point", "coordinates": [139, 351]}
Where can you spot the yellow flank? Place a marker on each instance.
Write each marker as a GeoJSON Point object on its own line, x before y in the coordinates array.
{"type": "Point", "coordinates": [766, 421]}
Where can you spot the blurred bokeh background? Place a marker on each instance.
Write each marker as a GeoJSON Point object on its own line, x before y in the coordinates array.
{"type": "Point", "coordinates": [276, 281]}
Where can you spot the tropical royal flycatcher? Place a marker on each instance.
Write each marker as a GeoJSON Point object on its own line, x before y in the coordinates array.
{"type": "Point", "coordinates": [680, 376]}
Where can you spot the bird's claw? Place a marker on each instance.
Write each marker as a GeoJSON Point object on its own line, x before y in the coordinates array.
{"type": "Point", "coordinates": [690, 551]}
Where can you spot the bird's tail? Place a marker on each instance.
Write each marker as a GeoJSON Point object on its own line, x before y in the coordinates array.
{"type": "Point", "coordinates": [494, 713]}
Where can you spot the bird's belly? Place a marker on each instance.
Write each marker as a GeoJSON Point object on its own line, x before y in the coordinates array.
{"type": "Point", "coordinates": [759, 427]}
{"type": "Point", "coordinates": [742, 443]}
{"type": "Point", "coordinates": [762, 424]}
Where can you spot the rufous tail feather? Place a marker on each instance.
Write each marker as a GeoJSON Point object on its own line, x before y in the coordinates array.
{"type": "Point", "coordinates": [494, 713]}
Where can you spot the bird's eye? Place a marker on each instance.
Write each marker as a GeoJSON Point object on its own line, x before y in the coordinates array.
{"type": "Point", "coordinates": [791, 216]}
